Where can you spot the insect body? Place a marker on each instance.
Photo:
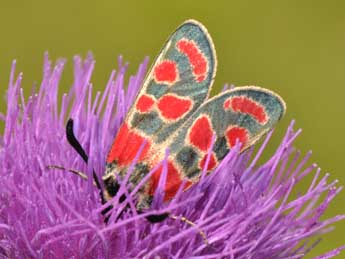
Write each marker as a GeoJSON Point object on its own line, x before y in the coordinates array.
{"type": "Point", "coordinates": [172, 111]}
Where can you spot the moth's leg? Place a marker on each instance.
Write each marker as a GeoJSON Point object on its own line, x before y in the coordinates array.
{"type": "Point", "coordinates": [145, 202]}
{"type": "Point", "coordinates": [156, 218]}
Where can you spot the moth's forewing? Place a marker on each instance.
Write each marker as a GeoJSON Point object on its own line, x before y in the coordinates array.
{"type": "Point", "coordinates": [178, 83]}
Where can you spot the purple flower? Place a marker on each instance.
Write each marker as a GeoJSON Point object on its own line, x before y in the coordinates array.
{"type": "Point", "coordinates": [245, 209]}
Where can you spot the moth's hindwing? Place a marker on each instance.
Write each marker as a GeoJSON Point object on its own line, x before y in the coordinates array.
{"type": "Point", "coordinates": [243, 114]}
{"type": "Point", "coordinates": [177, 84]}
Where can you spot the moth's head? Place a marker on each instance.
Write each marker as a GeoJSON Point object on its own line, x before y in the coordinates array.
{"type": "Point", "coordinates": [113, 177]}
{"type": "Point", "coordinates": [111, 186]}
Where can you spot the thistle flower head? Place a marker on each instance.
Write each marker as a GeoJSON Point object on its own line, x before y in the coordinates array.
{"type": "Point", "coordinates": [245, 209]}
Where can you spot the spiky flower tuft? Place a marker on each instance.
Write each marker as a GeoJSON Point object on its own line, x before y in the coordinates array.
{"type": "Point", "coordinates": [246, 210]}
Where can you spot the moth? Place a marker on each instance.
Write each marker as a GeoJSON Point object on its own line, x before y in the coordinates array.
{"type": "Point", "coordinates": [172, 110]}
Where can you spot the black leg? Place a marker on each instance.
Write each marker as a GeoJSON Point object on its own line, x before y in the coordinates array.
{"type": "Point", "coordinates": [157, 217]}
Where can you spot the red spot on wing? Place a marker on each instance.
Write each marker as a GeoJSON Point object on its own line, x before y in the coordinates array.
{"type": "Point", "coordinates": [195, 57]}
{"type": "Point", "coordinates": [172, 184]}
{"type": "Point", "coordinates": [173, 107]}
{"type": "Point", "coordinates": [200, 134]}
{"type": "Point", "coordinates": [246, 105]}
{"type": "Point", "coordinates": [234, 133]}
{"type": "Point", "coordinates": [166, 72]}
{"type": "Point", "coordinates": [126, 146]}
{"type": "Point", "coordinates": [145, 103]}
{"type": "Point", "coordinates": [211, 164]}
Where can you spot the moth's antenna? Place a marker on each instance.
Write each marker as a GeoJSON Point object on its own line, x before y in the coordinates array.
{"type": "Point", "coordinates": [77, 147]}
{"type": "Point", "coordinates": [73, 140]}
{"type": "Point", "coordinates": [76, 172]}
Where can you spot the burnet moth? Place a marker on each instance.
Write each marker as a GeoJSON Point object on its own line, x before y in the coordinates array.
{"type": "Point", "coordinates": [172, 110]}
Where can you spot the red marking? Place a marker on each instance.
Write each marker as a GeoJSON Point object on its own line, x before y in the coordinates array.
{"type": "Point", "coordinates": [211, 164]}
{"type": "Point", "coordinates": [245, 105]}
{"type": "Point", "coordinates": [195, 57]}
{"type": "Point", "coordinates": [234, 133]}
{"type": "Point", "coordinates": [145, 103]}
{"type": "Point", "coordinates": [126, 146]}
{"type": "Point", "coordinates": [201, 133]}
{"type": "Point", "coordinates": [173, 107]}
{"type": "Point", "coordinates": [166, 72]}
{"type": "Point", "coordinates": [172, 184]}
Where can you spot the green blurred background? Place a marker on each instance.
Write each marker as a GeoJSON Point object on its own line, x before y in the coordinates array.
{"type": "Point", "coordinates": [296, 48]}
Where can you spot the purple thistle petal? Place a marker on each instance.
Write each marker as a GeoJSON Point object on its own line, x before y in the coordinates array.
{"type": "Point", "coordinates": [245, 209]}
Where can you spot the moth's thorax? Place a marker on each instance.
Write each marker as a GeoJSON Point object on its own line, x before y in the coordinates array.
{"type": "Point", "coordinates": [136, 175]}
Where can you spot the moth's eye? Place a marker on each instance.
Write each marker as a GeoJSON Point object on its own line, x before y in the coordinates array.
{"type": "Point", "coordinates": [111, 186]}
